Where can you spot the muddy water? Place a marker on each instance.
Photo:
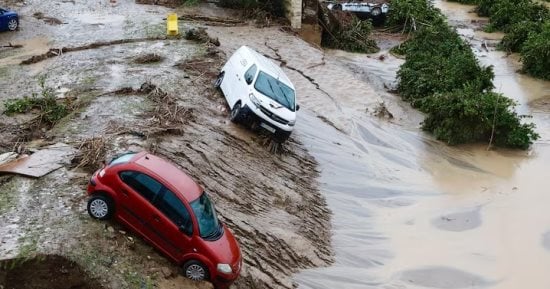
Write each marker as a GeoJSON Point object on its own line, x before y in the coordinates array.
{"type": "Point", "coordinates": [410, 212]}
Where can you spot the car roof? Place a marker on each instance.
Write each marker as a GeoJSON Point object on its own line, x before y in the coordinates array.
{"type": "Point", "coordinates": [171, 174]}
{"type": "Point", "coordinates": [265, 65]}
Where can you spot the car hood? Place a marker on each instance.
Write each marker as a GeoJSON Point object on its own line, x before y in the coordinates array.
{"type": "Point", "coordinates": [225, 250]}
{"type": "Point", "coordinates": [275, 107]}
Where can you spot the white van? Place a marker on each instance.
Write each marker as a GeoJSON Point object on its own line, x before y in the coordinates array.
{"type": "Point", "coordinates": [258, 93]}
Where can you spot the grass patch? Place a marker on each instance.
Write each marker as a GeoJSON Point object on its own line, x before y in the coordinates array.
{"type": "Point", "coordinates": [148, 58]}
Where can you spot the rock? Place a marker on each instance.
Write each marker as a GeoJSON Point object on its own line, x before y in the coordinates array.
{"type": "Point", "coordinates": [166, 272]}
{"type": "Point", "coordinates": [110, 229]}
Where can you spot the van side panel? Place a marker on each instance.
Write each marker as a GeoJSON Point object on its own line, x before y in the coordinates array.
{"type": "Point", "coordinates": [230, 80]}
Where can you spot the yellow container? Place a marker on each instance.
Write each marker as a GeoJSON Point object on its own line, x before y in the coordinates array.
{"type": "Point", "coordinates": [172, 24]}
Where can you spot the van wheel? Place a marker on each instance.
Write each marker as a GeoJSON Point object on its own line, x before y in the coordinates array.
{"type": "Point", "coordinates": [219, 80]}
{"type": "Point", "coordinates": [236, 114]}
{"type": "Point", "coordinates": [195, 270]}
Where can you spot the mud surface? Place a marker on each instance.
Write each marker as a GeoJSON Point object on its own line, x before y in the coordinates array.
{"type": "Point", "coordinates": [269, 200]}
{"type": "Point", "coordinates": [37, 273]}
{"type": "Point", "coordinates": [408, 211]}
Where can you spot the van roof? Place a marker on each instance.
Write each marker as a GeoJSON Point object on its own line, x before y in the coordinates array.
{"type": "Point", "coordinates": [266, 65]}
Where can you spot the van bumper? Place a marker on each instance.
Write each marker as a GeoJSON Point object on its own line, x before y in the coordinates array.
{"type": "Point", "coordinates": [258, 120]}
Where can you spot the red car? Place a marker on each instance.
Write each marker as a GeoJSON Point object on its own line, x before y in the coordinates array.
{"type": "Point", "coordinates": [165, 206]}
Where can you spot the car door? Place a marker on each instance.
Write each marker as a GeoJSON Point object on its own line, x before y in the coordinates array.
{"type": "Point", "coordinates": [138, 192]}
{"type": "Point", "coordinates": [247, 81]}
{"type": "Point", "coordinates": [174, 221]}
{"type": "Point", "coordinates": [3, 20]}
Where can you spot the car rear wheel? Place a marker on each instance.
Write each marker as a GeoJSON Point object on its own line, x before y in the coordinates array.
{"type": "Point", "coordinates": [12, 24]}
{"type": "Point", "coordinates": [100, 207]}
{"type": "Point", "coordinates": [195, 270]}
{"type": "Point", "coordinates": [236, 114]}
{"type": "Point", "coordinates": [219, 80]}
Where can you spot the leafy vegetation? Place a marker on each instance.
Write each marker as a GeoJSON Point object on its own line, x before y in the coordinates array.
{"type": "Point", "coordinates": [535, 53]}
{"type": "Point", "coordinates": [350, 34]}
{"type": "Point", "coordinates": [411, 14]}
{"type": "Point", "coordinates": [442, 77]}
{"type": "Point", "coordinates": [526, 25]}
{"type": "Point", "coordinates": [50, 110]}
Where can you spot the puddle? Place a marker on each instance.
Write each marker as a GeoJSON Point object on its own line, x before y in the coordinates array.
{"type": "Point", "coordinates": [44, 272]}
{"type": "Point", "coordinates": [546, 240]}
{"type": "Point", "coordinates": [442, 277]}
{"type": "Point", "coordinates": [458, 222]}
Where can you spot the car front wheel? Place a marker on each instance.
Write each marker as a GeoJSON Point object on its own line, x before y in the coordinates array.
{"type": "Point", "coordinates": [12, 24]}
{"type": "Point", "coordinates": [219, 80]}
{"type": "Point", "coordinates": [100, 207]}
{"type": "Point", "coordinates": [236, 114]}
{"type": "Point", "coordinates": [195, 270]}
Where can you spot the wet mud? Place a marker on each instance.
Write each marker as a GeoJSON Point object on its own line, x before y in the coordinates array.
{"type": "Point", "coordinates": [37, 272]}
{"type": "Point", "coordinates": [270, 201]}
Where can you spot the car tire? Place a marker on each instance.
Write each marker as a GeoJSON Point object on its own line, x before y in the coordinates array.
{"type": "Point", "coordinates": [376, 12]}
{"type": "Point", "coordinates": [101, 207]}
{"type": "Point", "coordinates": [236, 114]}
{"type": "Point", "coordinates": [13, 24]}
{"type": "Point", "coordinates": [195, 270]}
{"type": "Point", "coordinates": [337, 7]}
{"type": "Point", "coordinates": [219, 80]}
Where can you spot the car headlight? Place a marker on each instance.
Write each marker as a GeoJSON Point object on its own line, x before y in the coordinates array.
{"type": "Point", "coordinates": [292, 122]}
{"type": "Point", "coordinates": [101, 173]}
{"type": "Point", "coordinates": [254, 100]}
{"type": "Point", "coordinates": [224, 268]}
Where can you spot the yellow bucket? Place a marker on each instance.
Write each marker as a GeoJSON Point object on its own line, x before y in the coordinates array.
{"type": "Point", "coordinates": [172, 24]}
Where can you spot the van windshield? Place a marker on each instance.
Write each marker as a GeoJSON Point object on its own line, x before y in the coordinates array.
{"type": "Point", "coordinates": [276, 90]}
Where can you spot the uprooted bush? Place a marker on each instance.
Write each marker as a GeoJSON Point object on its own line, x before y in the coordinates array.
{"type": "Point", "coordinates": [466, 115]}
{"type": "Point", "coordinates": [442, 77]}
{"type": "Point", "coordinates": [349, 33]}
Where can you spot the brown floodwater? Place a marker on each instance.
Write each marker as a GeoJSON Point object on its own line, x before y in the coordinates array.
{"type": "Point", "coordinates": [410, 212]}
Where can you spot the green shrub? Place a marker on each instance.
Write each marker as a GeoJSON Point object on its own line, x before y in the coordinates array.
{"type": "Point", "coordinates": [504, 13]}
{"type": "Point", "coordinates": [442, 77]}
{"type": "Point", "coordinates": [466, 1]}
{"type": "Point", "coordinates": [467, 115]}
{"type": "Point", "coordinates": [517, 35]}
{"type": "Point", "coordinates": [439, 61]}
{"type": "Point", "coordinates": [535, 53]}
{"type": "Point", "coordinates": [410, 15]}
{"type": "Point", "coordinates": [49, 108]}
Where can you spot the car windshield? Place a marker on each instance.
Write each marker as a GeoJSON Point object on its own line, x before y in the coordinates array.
{"type": "Point", "coordinates": [276, 90]}
{"type": "Point", "coordinates": [122, 158]}
{"type": "Point", "coordinates": [209, 227]}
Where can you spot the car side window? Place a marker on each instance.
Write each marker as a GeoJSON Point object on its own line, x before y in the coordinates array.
{"type": "Point", "coordinates": [250, 73]}
{"type": "Point", "coordinates": [173, 208]}
{"type": "Point", "coordinates": [146, 186]}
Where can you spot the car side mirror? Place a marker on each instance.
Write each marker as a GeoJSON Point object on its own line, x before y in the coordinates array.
{"type": "Point", "coordinates": [186, 230]}
{"type": "Point", "coordinates": [297, 107]}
